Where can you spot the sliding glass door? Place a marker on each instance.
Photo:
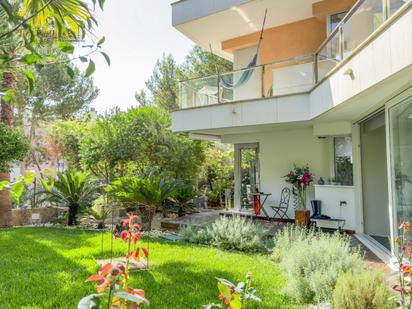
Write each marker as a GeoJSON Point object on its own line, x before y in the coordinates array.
{"type": "Point", "coordinates": [400, 149]}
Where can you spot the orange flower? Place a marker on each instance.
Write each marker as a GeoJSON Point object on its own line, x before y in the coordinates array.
{"type": "Point", "coordinates": [406, 269]}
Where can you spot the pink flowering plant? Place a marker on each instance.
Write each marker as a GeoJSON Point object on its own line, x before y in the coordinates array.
{"type": "Point", "coordinates": [404, 259]}
{"type": "Point", "coordinates": [300, 178]}
{"type": "Point", "coordinates": [113, 290]}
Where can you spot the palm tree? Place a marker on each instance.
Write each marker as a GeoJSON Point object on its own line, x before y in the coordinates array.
{"type": "Point", "coordinates": [68, 19]}
{"type": "Point", "coordinates": [151, 192]}
{"type": "Point", "coordinates": [73, 189]}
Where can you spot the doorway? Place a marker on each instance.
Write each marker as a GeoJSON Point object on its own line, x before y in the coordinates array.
{"type": "Point", "coordinates": [247, 174]}
{"type": "Point", "coordinates": [376, 222]}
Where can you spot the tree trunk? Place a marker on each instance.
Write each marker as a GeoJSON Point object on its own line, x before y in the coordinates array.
{"type": "Point", "coordinates": [5, 204]}
{"type": "Point", "coordinates": [72, 214]}
{"type": "Point", "coordinates": [7, 117]}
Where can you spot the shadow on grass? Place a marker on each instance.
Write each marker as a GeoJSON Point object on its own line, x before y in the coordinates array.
{"type": "Point", "coordinates": [35, 275]}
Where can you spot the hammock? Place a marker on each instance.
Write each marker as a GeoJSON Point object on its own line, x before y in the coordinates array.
{"type": "Point", "coordinates": [248, 71]}
{"type": "Point", "coordinates": [244, 78]}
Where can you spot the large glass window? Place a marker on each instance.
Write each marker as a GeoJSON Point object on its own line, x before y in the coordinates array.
{"type": "Point", "coordinates": [400, 128]}
{"type": "Point", "coordinates": [343, 160]}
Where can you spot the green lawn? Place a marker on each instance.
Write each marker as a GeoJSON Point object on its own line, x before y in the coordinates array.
{"type": "Point", "coordinates": [46, 268]}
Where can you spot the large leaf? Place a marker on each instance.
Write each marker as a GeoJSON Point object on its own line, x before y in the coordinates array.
{"type": "Point", "coordinates": [90, 68]}
{"type": "Point", "coordinates": [138, 299]}
{"type": "Point", "coordinates": [30, 79]}
{"type": "Point", "coordinates": [17, 190]}
{"type": "Point", "coordinates": [106, 57]}
{"type": "Point", "coordinates": [29, 177]}
{"type": "Point", "coordinates": [90, 302]}
{"type": "Point", "coordinates": [66, 47]}
{"type": "Point", "coordinates": [30, 59]}
{"type": "Point", "coordinates": [223, 289]}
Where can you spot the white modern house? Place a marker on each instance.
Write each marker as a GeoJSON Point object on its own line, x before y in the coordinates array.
{"type": "Point", "coordinates": [331, 87]}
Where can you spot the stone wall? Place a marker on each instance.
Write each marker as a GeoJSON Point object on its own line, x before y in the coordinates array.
{"type": "Point", "coordinates": [35, 215]}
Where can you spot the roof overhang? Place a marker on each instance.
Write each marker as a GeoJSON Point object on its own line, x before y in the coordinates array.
{"type": "Point", "coordinates": [209, 23]}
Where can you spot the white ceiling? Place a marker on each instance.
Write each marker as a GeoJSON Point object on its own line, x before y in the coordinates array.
{"type": "Point", "coordinates": [241, 20]}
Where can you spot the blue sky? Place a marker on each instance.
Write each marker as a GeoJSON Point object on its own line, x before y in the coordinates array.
{"type": "Point", "coordinates": [137, 33]}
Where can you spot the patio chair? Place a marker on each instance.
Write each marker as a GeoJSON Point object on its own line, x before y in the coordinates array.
{"type": "Point", "coordinates": [281, 211]}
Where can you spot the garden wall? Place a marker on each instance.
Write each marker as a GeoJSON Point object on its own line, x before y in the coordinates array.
{"type": "Point", "coordinates": [30, 216]}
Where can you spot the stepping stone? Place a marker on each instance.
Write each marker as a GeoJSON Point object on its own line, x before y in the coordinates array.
{"type": "Point", "coordinates": [133, 265]}
{"type": "Point", "coordinates": [171, 237]}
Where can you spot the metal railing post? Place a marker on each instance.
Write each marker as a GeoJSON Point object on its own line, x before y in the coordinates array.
{"type": "Point", "coordinates": [263, 81]}
{"type": "Point", "coordinates": [386, 9]}
{"type": "Point", "coordinates": [316, 68]}
{"type": "Point", "coordinates": [341, 42]}
{"type": "Point", "coordinates": [218, 88]}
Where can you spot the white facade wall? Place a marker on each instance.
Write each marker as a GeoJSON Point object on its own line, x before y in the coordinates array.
{"type": "Point", "coordinates": [278, 151]}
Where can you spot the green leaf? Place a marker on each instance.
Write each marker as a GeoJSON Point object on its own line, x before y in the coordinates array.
{"type": "Point", "coordinates": [29, 177]}
{"type": "Point", "coordinates": [17, 190]}
{"type": "Point", "coordinates": [83, 59]}
{"type": "Point", "coordinates": [30, 59]}
{"type": "Point", "coordinates": [30, 79]}
{"type": "Point", "coordinates": [90, 302]}
{"type": "Point", "coordinates": [101, 4]}
{"type": "Point", "coordinates": [66, 47]}
{"type": "Point", "coordinates": [9, 95]}
{"type": "Point", "coordinates": [70, 71]}
{"type": "Point", "coordinates": [235, 304]}
{"type": "Point", "coordinates": [106, 56]}
{"type": "Point", "coordinates": [101, 41]}
{"type": "Point", "coordinates": [133, 298]}
{"type": "Point", "coordinates": [90, 68]}
{"type": "Point", "coordinates": [223, 289]}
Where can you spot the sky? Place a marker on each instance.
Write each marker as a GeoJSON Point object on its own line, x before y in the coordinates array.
{"type": "Point", "coordinates": [137, 33]}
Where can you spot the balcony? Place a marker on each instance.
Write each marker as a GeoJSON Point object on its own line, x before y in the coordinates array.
{"type": "Point", "coordinates": [372, 45]}
{"type": "Point", "coordinates": [289, 76]}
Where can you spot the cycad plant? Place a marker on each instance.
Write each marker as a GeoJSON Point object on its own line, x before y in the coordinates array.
{"type": "Point", "coordinates": [151, 192]}
{"type": "Point", "coordinates": [72, 188]}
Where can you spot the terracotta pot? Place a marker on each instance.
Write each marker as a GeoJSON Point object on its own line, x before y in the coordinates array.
{"type": "Point", "coordinates": [302, 217]}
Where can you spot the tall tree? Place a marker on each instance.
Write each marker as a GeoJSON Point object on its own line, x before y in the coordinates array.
{"type": "Point", "coordinates": [56, 95]}
{"type": "Point", "coordinates": [200, 63]}
{"type": "Point", "coordinates": [163, 84]}
{"type": "Point", "coordinates": [23, 25]}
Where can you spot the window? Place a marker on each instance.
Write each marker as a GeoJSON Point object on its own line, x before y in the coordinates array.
{"type": "Point", "coordinates": [343, 160]}
{"type": "Point", "coordinates": [334, 20]}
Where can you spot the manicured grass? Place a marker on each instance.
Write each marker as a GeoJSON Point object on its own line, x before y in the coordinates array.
{"type": "Point", "coordinates": [46, 268]}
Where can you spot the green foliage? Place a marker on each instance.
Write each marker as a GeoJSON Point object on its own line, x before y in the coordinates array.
{"type": "Point", "coordinates": [152, 190]}
{"type": "Point", "coordinates": [14, 146]}
{"type": "Point", "coordinates": [312, 261]}
{"type": "Point", "coordinates": [57, 94]}
{"type": "Point", "coordinates": [366, 290]}
{"type": "Point", "coordinates": [163, 84]}
{"type": "Point", "coordinates": [235, 296]}
{"type": "Point", "coordinates": [73, 189]}
{"type": "Point", "coordinates": [200, 63]}
{"type": "Point", "coordinates": [217, 174]}
{"type": "Point", "coordinates": [228, 233]}
{"type": "Point", "coordinates": [17, 188]}
{"type": "Point", "coordinates": [67, 135]}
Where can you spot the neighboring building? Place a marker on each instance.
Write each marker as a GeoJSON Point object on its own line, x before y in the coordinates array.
{"type": "Point", "coordinates": [332, 88]}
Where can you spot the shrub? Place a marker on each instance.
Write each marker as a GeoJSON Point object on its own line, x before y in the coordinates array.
{"type": "Point", "coordinates": [228, 233]}
{"type": "Point", "coordinates": [366, 290]}
{"type": "Point", "coordinates": [312, 262]}
{"type": "Point", "coordinates": [196, 234]}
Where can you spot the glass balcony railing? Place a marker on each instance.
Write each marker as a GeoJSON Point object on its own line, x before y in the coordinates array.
{"type": "Point", "coordinates": [294, 75]}
{"type": "Point", "coordinates": [361, 21]}
{"type": "Point", "coordinates": [278, 78]}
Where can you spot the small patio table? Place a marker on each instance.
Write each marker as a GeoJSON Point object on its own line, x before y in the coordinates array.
{"type": "Point", "coordinates": [262, 203]}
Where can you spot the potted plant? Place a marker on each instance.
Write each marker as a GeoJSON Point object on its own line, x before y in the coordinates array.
{"type": "Point", "coordinates": [300, 178]}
